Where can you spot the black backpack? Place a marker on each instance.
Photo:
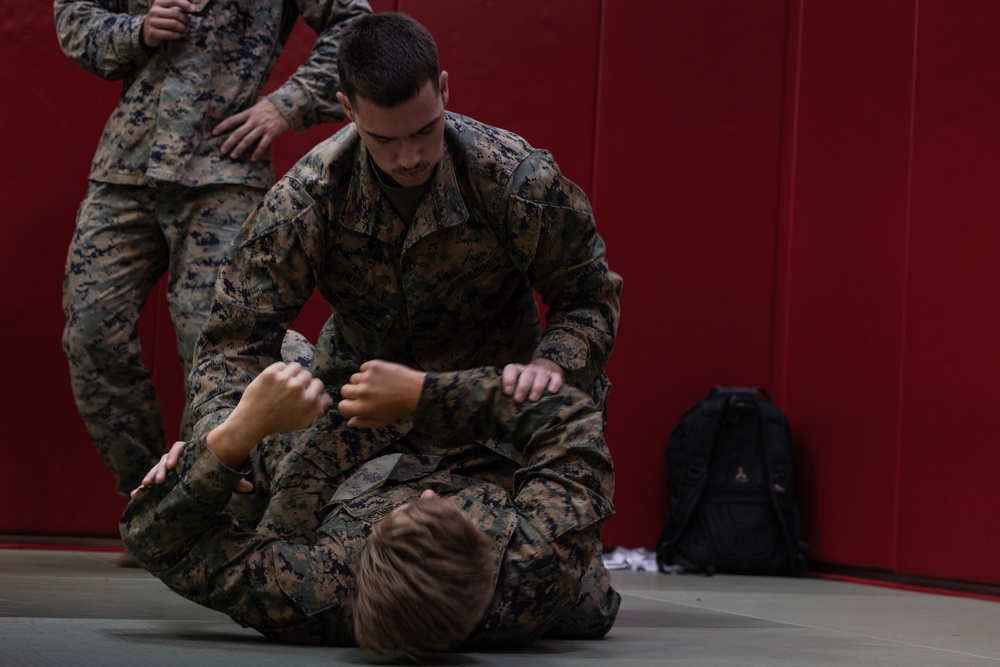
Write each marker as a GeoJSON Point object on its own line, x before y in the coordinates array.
{"type": "Point", "coordinates": [732, 488]}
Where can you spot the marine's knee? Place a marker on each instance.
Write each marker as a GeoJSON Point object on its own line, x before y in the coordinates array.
{"type": "Point", "coordinates": [96, 332]}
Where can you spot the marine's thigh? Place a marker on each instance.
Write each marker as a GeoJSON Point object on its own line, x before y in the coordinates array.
{"type": "Point", "coordinates": [198, 225]}
{"type": "Point", "coordinates": [117, 252]}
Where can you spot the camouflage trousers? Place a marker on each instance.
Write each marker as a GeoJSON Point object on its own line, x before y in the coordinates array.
{"type": "Point", "coordinates": [127, 237]}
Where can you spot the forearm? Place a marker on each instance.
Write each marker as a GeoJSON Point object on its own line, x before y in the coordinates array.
{"type": "Point", "coordinates": [164, 521]}
{"type": "Point", "coordinates": [551, 234]}
{"type": "Point", "coordinates": [579, 334]}
{"type": "Point", "coordinates": [230, 353]}
{"type": "Point", "coordinates": [179, 532]}
{"type": "Point", "coordinates": [100, 37]}
{"type": "Point", "coordinates": [307, 98]}
{"type": "Point", "coordinates": [560, 435]}
{"type": "Point", "coordinates": [230, 443]}
{"type": "Point", "coordinates": [582, 295]}
{"type": "Point", "coordinates": [471, 405]}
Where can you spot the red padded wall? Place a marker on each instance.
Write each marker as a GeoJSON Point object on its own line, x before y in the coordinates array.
{"type": "Point", "coordinates": [51, 116]}
{"type": "Point", "coordinates": [52, 481]}
{"type": "Point", "coordinates": [798, 194]}
{"type": "Point", "coordinates": [949, 493]}
{"type": "Point", "coordinates": [526, 66]}
{"type": "Point", "coordinates": [842, 289]}
{"type": "Point", "coordinates": [686, 187]}
{"type": "Point", "coordinates": [885, 355]}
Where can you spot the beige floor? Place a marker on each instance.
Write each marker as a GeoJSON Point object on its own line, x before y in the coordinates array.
{"type": "Point", "coordinates": [78, 608]}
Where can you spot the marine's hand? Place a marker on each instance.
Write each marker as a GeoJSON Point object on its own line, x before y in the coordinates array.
{"type": "Point", "coordinates": [532, 380]}
{"type": "Point", "coordinates": [166, 20]}
{"type": "Point", "coordinates": [284, 397]}
{"type": "Point", "coordinates": [260, 124]}
{"type": "Point", "coordinates": [380, 393]}
{"type": "Point", "coordinates": [158, 473]}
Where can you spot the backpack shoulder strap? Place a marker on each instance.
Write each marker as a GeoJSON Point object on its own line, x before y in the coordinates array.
{"type": "Point", "coordinates": [777, 450]}
{"type": "Point", "coordinates": [689, 467]}
{"type": "Point", "coordinates": [710, 413]}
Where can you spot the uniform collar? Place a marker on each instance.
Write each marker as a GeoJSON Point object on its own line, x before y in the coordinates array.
{"type": "Point", "coordinates": [369, 212]}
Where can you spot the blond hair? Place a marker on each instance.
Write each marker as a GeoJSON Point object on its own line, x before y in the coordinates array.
{"type": "Point", "coordinates": [424, 581]}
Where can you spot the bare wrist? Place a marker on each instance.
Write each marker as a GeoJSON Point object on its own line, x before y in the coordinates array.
{"type": "Point", "coordinates": [230, 444]}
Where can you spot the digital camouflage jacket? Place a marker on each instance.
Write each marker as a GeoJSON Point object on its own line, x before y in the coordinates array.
{"type": "Point", "coordinates": [453, 290]}
{"type": "Point", "coordinates": [175, 94]}
{"type": "Point", "coordinates": [546, 535]}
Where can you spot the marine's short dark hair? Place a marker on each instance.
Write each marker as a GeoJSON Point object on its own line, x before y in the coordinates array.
{"type": "Point", "coordinates": [386, 58]}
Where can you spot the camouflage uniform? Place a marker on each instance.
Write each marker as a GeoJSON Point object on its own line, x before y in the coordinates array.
{"type": "Point", "coordinates": [161, 195]}
{"type": "Point", "coordinates": [544, 523]}
{"type": "Point", "coordinates": [451, 290]}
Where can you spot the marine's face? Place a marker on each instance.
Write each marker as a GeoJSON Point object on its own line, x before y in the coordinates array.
{"type": "Point", "coordinates": [405, 141]}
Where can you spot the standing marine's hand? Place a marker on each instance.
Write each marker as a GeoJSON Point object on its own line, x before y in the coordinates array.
{"type": "Point", "coordinates": [380, 393]}
{"type": "Point", "coordinates": [532, 380]}
{"type": "Point", "coordinates": [260, 124]}
{"type": "Point", "coordinates": [166, 20]}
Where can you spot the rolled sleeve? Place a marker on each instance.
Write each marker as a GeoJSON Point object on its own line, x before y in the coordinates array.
{"type": "Point", "coordinates": [309, 95]}
{"type": "Point", "coordinates": [100, 37]}
{"type": "Point", "coordinates": [552, 229]}
{"type": "Point", "coordinates": [163, 519]}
